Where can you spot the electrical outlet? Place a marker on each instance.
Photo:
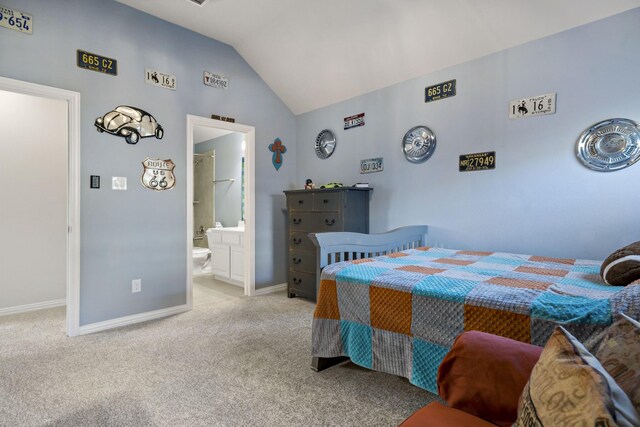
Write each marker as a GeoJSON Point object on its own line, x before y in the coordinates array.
{"type": "Point", "coordinates": [136, 286]}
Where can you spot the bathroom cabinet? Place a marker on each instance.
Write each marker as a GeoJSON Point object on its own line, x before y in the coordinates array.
{"type": "Point", "coordinates": [227, 254]}
{"type": "Point", "coordinates": [317, 211]}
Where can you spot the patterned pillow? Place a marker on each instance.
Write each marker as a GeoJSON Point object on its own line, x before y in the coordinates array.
{"type": "Point", "coordinates": [619, 353]}
{"type": "Point", "coordinates": [568, 386]}
{"type": "Point", "coordinates": [623, 266]}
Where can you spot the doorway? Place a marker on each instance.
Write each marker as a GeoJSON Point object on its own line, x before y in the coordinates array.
{"type": "Point", "coordinates": [41, 220]}
{"type": "Point", "coordinates": [226, 153]}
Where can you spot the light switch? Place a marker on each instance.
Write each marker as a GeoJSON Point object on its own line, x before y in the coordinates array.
{"type": "Point", "coordinates": [118, 182]}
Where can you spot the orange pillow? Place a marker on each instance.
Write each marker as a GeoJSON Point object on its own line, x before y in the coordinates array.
{"type": "Point", "coordinates": [484, 375]}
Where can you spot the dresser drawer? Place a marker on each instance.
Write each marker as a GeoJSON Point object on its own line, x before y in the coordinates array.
{"type": "Point", "coordinates": [300, 202]}
{"type": "Point", "coordinates": [328, 221]}
{"type": "Point", "coordinates": [302, 261]}
{"type": "Point", "coordinates": [303, 221]}
{"type": "Point", "coordinates": [329, 201]}
{"type": "Point", "coordinates": [302, 284]}
{"type": "Point", "coordinates": [301, 241]}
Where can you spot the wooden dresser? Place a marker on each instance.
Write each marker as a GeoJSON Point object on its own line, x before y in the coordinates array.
{"type": "Point", "coordinates": [317, 211]}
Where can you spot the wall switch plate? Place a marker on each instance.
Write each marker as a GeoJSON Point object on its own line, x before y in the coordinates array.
{"type": "Point", "coordinates": [118, 182]}
{"type": "Point", "coordinates": [136, 286]}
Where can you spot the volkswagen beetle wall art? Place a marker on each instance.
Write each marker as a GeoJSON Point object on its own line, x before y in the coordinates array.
{"type": "Point", "coordinates": [131, 123]}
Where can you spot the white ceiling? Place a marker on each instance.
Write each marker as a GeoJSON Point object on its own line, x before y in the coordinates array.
{"type": "Point", "coordinates": [314, 53]}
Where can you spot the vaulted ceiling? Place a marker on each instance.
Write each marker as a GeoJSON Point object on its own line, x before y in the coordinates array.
{"type": "Point", "coordinates": [314, 53]}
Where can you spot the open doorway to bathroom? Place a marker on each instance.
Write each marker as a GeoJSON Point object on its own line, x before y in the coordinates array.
{"type": "Point", "coordinates": [220, 203]}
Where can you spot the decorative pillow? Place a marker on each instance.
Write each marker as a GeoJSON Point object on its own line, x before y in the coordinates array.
{"type": "Point", "coordinates": [619, 353]}
{"type": "Point", "coordinates": [484, 374]}
{"type": "Point", "coordinates": [568, 386]}
{"type": "Point", "coordinates": [623, 266]}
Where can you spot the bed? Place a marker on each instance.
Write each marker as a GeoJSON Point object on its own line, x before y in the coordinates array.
{"type": "Point", "coordinates": [392, 304]}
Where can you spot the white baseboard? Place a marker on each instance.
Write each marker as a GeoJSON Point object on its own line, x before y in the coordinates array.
{"type": "Point", "coordinates": [271, 289]}
{"type": "Point", "coordinates": [32, 307]}
{"type": "Point", "coordinates": [130, 320]}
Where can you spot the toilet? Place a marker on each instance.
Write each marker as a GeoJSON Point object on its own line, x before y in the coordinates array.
{"type": "Point", "coordinates": [201, 260]}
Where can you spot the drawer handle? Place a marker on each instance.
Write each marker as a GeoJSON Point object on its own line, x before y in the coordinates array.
{"type": "Point", "coordinates": [328, 221]}
{"type": "Point", "coordinates": [325, 201]}
{"type": "Point", "coordinates": [296, 281]}
{"type": "Point", "coordinates": [297, 260]}
{"type": "Point", "coordinates": [297, 240]}
{"type": "Point", "coordinates": [300, 201]}
{"type": "Point", "coordinates": [297, 221]}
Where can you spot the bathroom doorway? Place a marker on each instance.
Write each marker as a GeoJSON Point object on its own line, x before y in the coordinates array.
{"type": "Point", "coordinates": [220, 205]}
{"type": "Point", "coordinates": [40, 193]}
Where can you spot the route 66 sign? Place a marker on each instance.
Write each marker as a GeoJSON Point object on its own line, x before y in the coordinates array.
{"type": "Point", "coordinates": [158, 174]}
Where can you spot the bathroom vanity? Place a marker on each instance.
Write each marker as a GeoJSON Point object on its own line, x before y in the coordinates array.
{"type": "Point", "coordinates": [227, 254]}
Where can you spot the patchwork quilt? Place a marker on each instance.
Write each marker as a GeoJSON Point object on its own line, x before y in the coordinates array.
{"type": "Point", "coordinates": [400, 313]}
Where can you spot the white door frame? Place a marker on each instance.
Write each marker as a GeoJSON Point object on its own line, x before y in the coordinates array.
{"type": "Point", "coordinates": [249, 199]}
{"type": "Point", "coordinates": [73, 190]}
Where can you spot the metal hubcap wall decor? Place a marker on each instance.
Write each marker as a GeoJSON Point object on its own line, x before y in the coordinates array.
{"type": "Point", "coordinates": [418, 144]}
{"type": "Point", "coordinates": [325, 144]}
{"type": "Point", "coordinates": [610, 145]}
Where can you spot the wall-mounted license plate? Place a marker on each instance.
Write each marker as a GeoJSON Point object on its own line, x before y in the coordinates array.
{"type": "Point", "coordinates": [539, 105]}
{"type": "Point", "coordinates": [440, 91]}
{"type": "Point", "coordinates": [371, 165]}
{"type": "Point", "coordinates": [99, 63]}
{"type": "Point", "coordinates": [354, 121]}
{"type": "Point", "coordinates": [16, 20]}
{"type": "Point", "coordinates": [156, 78]}
{"type": "Point", "coordinates": [478, 161]}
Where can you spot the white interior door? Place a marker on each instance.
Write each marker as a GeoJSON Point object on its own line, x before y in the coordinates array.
{"type": "Point", "coordinates": [33, 193]}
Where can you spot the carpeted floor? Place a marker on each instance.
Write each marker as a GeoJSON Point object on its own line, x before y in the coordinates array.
{"type": "Point", "coordinates": [232, 361]}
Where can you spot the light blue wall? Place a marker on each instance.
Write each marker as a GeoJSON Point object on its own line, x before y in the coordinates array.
{"type": "Point", "coordinates": [228, 149]}
{"type": "Point", "coordinates": [539, 199]}
{"type": "Point", "coordinates": [139, 233]}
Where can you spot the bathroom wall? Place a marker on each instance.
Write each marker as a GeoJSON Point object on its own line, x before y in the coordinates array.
{"type": "Point", "coordinates": [33, 216]}
{"type": "Point", "coordinates": [229, 153]}
{"type": "Point", "coordinates": [139, 233]}
{"type": "Point", "coordinates": [539, 199]}
{"type": "Point", "coordinates": [203, 197]}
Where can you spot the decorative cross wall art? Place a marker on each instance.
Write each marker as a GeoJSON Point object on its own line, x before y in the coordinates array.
{"type": "Point", "coordinates": [278, 149]}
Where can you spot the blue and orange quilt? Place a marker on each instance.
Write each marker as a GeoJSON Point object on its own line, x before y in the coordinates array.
{"type": "Point", "coordinates": [400, 313]}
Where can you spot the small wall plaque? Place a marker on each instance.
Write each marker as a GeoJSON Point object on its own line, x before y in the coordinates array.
{"type": "Point", "coordinates": [158, 174]}
{"type": "Point", "coordinates": [156, 78]}
{"type": "Point", "coordinates": [478, 161]}
{"type": "Point", "coordinates": [215, 80]}
{"type": "Point", "coordinates": [354, 121]}
{"type": "Point", "coordinates": [538, 105]}
{"type": "Point", "coordinates": [99, 63]}
{"type": "Point", "coordinates": [224, 119]}
{"type": "Point", "coordinates": [440, 91]}
{"type": "Point", "coordinates": [16, 20]}
{"type": "Point", "coordinates": [372, 165]}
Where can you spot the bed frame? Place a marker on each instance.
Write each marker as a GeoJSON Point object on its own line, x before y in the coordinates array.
{"type": "Point", "coordinates": [346, 246]}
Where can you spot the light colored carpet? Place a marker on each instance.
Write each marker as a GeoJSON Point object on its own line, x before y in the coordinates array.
{"type": "Point", "coordinates": [232, 361]}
